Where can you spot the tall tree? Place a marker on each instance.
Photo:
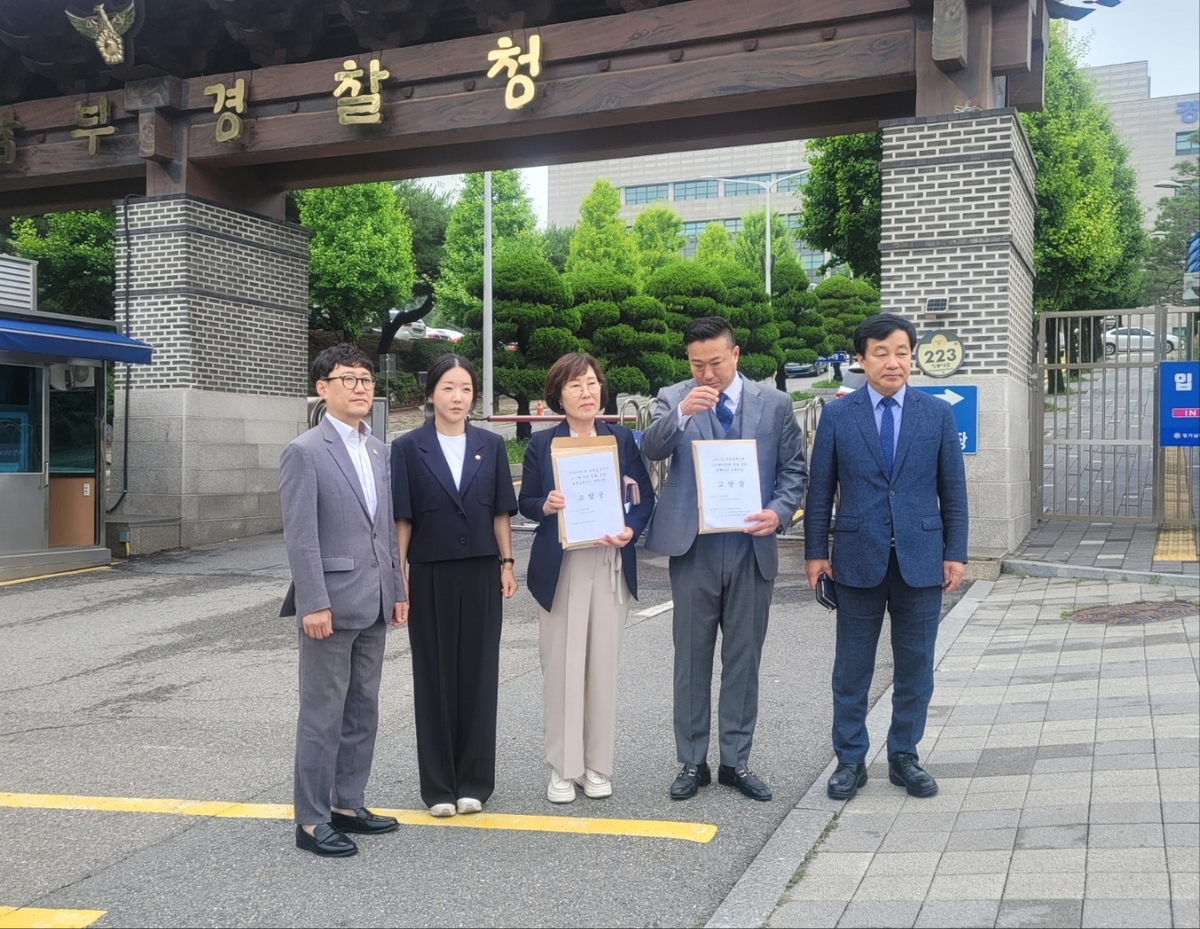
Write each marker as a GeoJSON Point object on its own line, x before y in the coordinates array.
{"type": "Point", "coordinates": [1177, 221]}
{"type": "Point", "coordinates": [843, 199]}
{"type": "Point", "coordinates": [802, 335]}
{"type": "Point", "coordinates": [360, 255]}
{"type": "Point", "coordinates": [844, 303]}
{"type": "Point", "coordinates": [600, 238]}
{"type": "Point", "coordinates": [713, 246]}
{"type": "Point", "coordinates": [687, 291]}
{"type": "Point", "coordinates": [462, 261]}
{"type": "Point", "coordinates": [749, 243]}
{"type": "Point", "coordinates": [556, 245]}
{"type": "Point", "coordinates": [658, 237]}
{"type": "Point", "coordinates": [76, 258]}
{"type": "Point", "coordinates": [534, 323]}
{"type": "Point", "coordinates": [747, 309]}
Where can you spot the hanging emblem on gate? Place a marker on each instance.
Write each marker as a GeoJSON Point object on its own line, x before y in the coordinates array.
{"type": "Point", "coordinates": [939, 353]}
{"type": "Point", "coordinates": [106, 31]}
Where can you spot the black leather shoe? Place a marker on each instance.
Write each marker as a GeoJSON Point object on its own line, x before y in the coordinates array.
{"type": "Point", "coordinates": [363, 822]}
{"type": "Point", "coordinates": [744, 780]}
{"type": "Point", "coordinates": [691, 778]}
{"type": "Point", "coordinates": [325, 841]}
{"type": "Point", "coordinates": [903, 771]}
{"type": "Point", "coordinates": [845, 781]}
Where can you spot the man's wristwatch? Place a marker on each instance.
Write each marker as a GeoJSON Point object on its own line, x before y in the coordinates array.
{"type": "Point", "coordinates": [504, 561]}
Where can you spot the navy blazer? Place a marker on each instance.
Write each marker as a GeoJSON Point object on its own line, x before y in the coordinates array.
{"type": "Point", "coordinates": [448, 522]}
{"type": "Point", "coordinates": [923, 506]}
{"type": "Point", "coordinates": [537, 480]}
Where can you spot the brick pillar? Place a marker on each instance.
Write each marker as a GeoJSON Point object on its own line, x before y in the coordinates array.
{"type": "Point", "coordinates": [222, 296]}
{"type": "Point", "coordinates": [958, 210]}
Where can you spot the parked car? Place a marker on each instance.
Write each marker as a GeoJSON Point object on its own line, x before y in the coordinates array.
{"type": "Point", "coordinates": [800, 369]}
{"type": "Point", "coordinates": [450, 335]}
{"type": "Point", "coordinates": [410, 331]}
{"type": "Point", "coordinates": [1134, 339]}
{"type": "Point", "coordinates": [853, 377]}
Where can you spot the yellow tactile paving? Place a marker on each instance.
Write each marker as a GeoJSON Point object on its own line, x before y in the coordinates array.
{"type": "Point", "coordinates": [31, 917]}
{"type": "Point", "coordinates": [1176, 545]}
{"type": "Point", "coordinates": [645, 828]}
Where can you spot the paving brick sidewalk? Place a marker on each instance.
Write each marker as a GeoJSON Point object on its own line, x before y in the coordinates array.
{"type": "Point", "coordinates": [1068, 759]}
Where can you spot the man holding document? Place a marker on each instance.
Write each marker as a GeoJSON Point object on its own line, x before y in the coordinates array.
{"type": "Point", "coordinates": [737, 476]}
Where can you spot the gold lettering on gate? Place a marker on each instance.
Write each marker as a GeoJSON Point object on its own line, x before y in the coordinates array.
{"type": "Point", "coordinates": [8, 139]}
{"type": "Point", "coordinates": [507, 57]}
{"type": "Point", "coordinates": [230, 103]}
{"type": "Point", "coordinates": [93, 123]}
{"type": "Point", "coordinates": [359, 108]}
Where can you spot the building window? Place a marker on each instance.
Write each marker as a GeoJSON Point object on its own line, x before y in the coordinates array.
{"type": "Point", "coordinates": [792, 183]}
{"type": "Point", "coordinates": [810, 259]}
{"type": "Point", "coordinates": [745, 187]}
{"type": "Point", "coordinates": [695, 190]}
{"type": "Point", "coordinates": [1186, 144]}
{"type": "Point", "coordinates": [792, 220]}
{"type": "Point", "coordinates": [647, 193]}
{"type": "Point", "coordinates": [732, 226]}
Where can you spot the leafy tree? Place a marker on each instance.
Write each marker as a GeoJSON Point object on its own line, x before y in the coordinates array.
{"type": "Point", "coordinates": [658, 237]}
{"type": "Point", "coordinates": [627, 332]}
{"type": "Point", "coordinates": [556, 245]}
{"type": "Point", "coordinates": [843, 199]}
{"type": "Point", "coordinates": [687, 291]}
{"type": "Point", "coordinates": [748, 244]}
{"type": "Point", "coordinates": [802, 335]}
{"type": "Point", "coordinates": [532, 312]}
{"type": "Point", "coordinates": [428, 211]}
{"type": "Point", "coordinates": [360, 255]}
{"type": "Point", "coordinates": [747, 309]}
{"type": "Point", "coordinates": [600, 238]}
{"type": "Point", "coordinates": [76, 259]}
{"type": "Point", "coordinates": [844, 303]}
{"type": "Point", "coordinates": [1178, 220]}
{"type": "Point", "coordinates": [713, 246]}
{"type": "Point", "coordinates": [462, 261]}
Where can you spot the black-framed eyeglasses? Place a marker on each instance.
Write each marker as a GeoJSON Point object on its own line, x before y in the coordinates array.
{"type": "Point", "coordinates": [349, 381]}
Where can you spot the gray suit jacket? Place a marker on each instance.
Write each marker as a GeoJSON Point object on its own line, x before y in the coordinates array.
{"type": "Point", "coordinates": [341, 559]}
{"type": "Point", "coordinates": [767, 417]}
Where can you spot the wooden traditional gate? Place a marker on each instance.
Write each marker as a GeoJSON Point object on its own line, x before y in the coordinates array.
{"type": "Point", "coordinates": [1095, 425]}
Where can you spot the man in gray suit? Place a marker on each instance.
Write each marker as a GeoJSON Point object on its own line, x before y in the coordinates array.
{"type": "Point", "coordinates": [723, 580]}
{"type": "Point", "coordinates": [335, 487]}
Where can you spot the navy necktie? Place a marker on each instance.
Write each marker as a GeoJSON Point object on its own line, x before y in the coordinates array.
{"type": "Point", "coordinates": [887, 433]}
{"type": "Point", "coordinates": [724, 413]}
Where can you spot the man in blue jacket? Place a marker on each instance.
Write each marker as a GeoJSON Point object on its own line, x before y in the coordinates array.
{"type": "Point", "coordinates": [899, 543]}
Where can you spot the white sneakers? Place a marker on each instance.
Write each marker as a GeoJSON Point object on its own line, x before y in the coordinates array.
{"type": "Point", "coordinates": [560, 790]}
{"type": "Point", "coordinates": [469, 805]}
{"type": "Point", "coordinates": [442, 810]}
{"type": "Point", "coordinates": [595, 785]}
{"type": "Point", "coordinates": [464, 805]}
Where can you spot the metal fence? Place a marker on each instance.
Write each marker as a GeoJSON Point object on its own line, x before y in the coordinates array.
{"type": "Point", "coordinates": [1095, 417]}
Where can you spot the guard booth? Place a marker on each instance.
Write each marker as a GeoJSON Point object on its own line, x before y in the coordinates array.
{"type": "Point", "coordinates": [52, 424]}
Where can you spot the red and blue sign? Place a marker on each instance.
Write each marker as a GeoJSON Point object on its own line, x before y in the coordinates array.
{"type": "Point", "coordinates": [1179, 404]}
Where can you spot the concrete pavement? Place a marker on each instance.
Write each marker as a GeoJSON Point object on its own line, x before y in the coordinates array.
{"type": "Point", "coordinates": [1068, 759]}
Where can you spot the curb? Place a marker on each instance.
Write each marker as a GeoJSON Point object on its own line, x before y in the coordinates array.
{"type": "Point", "coordinates": [757, 892]}
{"type": "Point", "coordinates": [1053, 569]}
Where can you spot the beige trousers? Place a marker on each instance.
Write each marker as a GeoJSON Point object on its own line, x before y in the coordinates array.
{"type": "Point", "coordinates": [580, 642]}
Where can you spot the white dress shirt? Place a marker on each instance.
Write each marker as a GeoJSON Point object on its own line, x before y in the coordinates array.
{"type": "Point", "coordinates": [733, 396]}
{"type": "Point", "coordinates": [356, 445]}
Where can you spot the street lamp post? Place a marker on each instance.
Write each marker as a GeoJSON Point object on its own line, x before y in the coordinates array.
{"type": "Point", "coordinates": [766, 186]}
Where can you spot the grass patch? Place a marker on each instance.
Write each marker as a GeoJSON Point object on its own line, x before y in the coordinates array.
{"type": "Point", "coordinates": [827, 384]}
{"type": "Point", "coordinates": [812, 853]}
{"type": "Point", "coordinates": [515, 449]}
{"type": "Point", "coordinates": [802, 395]}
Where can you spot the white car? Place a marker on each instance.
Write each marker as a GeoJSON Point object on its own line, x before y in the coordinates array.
{"type": "Point", "coordinates": [450, 335]}
{"type": "Point", "coordinates": [1134, 339]}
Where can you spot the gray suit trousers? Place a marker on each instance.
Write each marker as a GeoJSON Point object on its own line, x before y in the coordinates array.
{"type": "Point", "coordinates": [338, 719]}
{"type": "Point", "coordinates": [715, 585]}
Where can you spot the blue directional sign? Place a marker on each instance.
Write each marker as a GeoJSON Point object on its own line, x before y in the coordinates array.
{"type": "Point", "coordinates": [1179, 403]}
{"type": "Point", "coordinates": [964, 400]}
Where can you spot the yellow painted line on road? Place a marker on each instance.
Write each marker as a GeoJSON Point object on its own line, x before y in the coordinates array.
{"type": "Point", "coordinates": [43, 577]}
{"type": "Point", "coordinates": [32, 917]}
{"type": "Point", "coordinates": [644, 828]}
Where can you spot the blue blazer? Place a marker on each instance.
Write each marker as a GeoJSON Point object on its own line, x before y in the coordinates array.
{"type": "Point", "coordinates": [448, 522]}
{"type": "Point", "coordinates": [923, 506]}
{"type": "Point", "coordinates": [537, 480]}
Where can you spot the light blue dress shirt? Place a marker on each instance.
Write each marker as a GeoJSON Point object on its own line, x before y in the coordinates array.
{"type": "Point", "coordinates": [897, 411]}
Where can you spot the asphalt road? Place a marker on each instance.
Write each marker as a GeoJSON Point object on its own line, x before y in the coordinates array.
{"type": "Point", "coordinates": [172, 676]}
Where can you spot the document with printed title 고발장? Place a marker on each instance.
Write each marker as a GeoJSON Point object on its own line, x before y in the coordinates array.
{"type": "Point", "coordinates": [587, 473]}
{"type": "Point", "coordinates": [726, 483]}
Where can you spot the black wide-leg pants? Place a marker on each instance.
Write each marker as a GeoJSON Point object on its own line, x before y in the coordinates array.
{"type": "Point", "coordinates": [455, 610]}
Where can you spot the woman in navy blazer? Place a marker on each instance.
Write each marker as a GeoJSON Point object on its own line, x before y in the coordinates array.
{"type": "Point", "coordinates": [452, 499]}
{"type": "Point", "coordinates": [584, 594]}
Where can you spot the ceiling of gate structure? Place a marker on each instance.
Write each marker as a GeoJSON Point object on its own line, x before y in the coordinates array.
{"type": "Point", "coordinates": [238, 100]}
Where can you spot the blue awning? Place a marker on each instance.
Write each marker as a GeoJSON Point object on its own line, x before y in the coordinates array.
{"type": "Point", "coordinates": [38, 338]}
